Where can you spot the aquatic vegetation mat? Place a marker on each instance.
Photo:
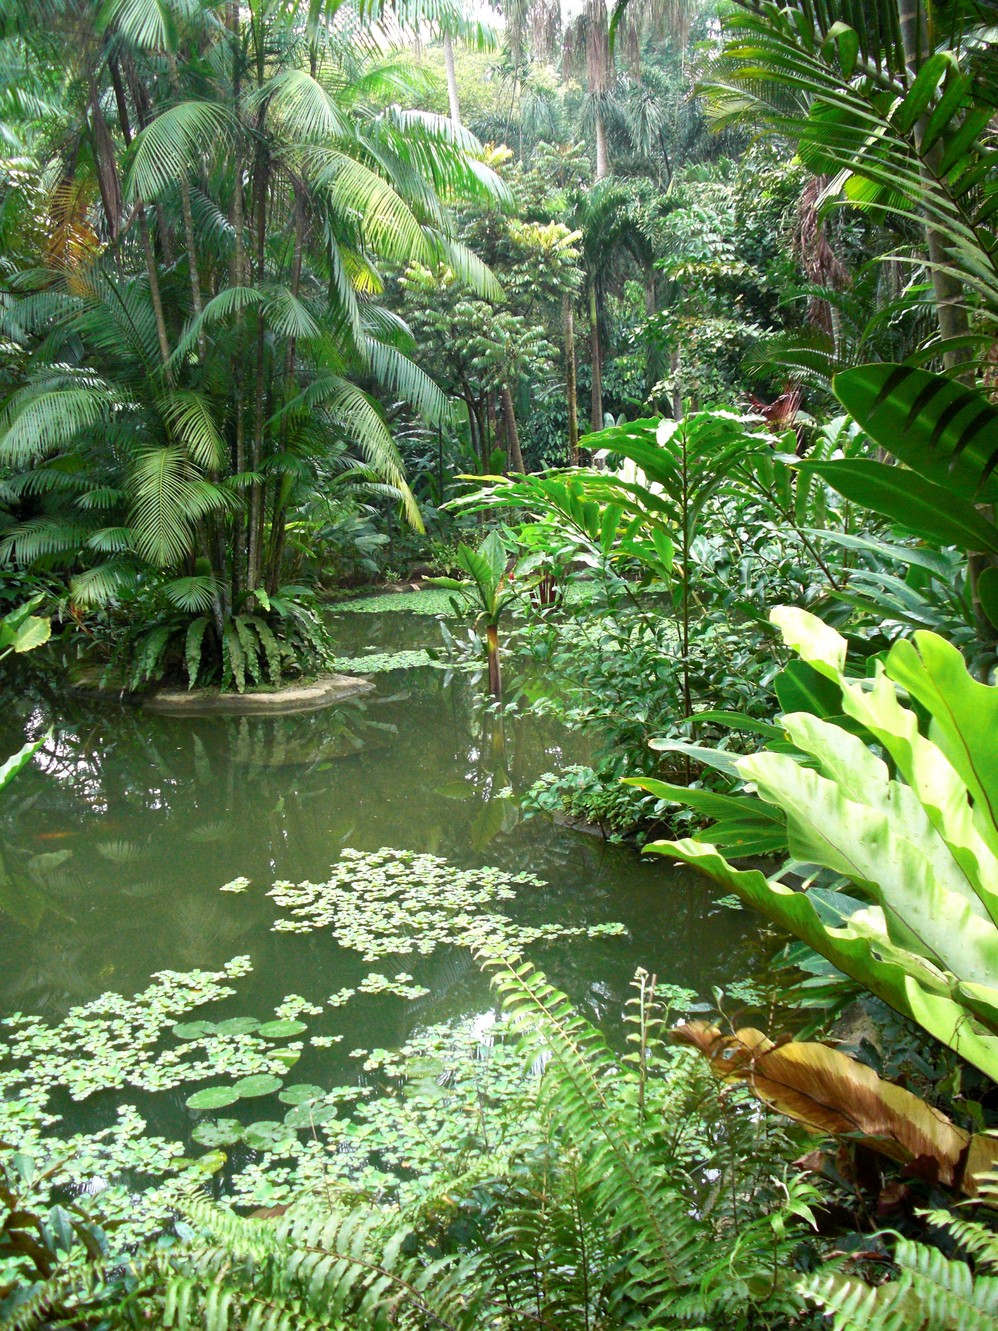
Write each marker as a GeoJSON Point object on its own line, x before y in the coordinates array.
{"type": "Point", "coordinates": [374, 663]}
{"type": "Point", "coordinates": [438, 601]}
{"type": "Point", "coordinates": [270, 1137]}
{"type": "Point", "coordinates": [413, 903]}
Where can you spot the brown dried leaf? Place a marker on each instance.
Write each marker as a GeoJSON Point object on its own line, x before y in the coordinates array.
{"type": "Point", "coordinates": [830, 1093]}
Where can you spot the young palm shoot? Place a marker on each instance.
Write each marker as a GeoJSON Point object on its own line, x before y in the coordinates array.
{"type": "Point", "coordinates": [489, 592]}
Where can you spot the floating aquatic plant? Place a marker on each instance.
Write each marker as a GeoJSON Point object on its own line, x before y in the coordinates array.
{"type": "Point", "coordinates": [376, 663]}
{"type": "Point", "coordinates": [378, 904]}
{"type": "Point", "coordinates": [390, 902]}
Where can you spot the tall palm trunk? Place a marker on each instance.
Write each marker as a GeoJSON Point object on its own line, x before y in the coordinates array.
{"type": "Point", "coordinates": [951, 312]}
{"type": "Point", "coordinates": [571, 394]}
{"type": "Point", "coordinates": [188, 216]}
{"type": "Point", "coordinates": [596, 412]}
{"type": "Point", "coordinates": [602, 151]}
{"type": "Point", "coordinates": [452, 98]}
{"type": "Point", "coordinates": [951, 309]}
{"type": "Point", "coordinates": [513, 455]}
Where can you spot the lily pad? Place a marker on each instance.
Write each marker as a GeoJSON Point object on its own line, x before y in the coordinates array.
{"type": "Point", "coordinates": [263, 1083]}
{"type": "Point", "coordinates": [268, 1135]}
{"type": "Point", "coordinates": [223, 1132]}
{"type": "Point", "coordinates": [216, 1097]}
{"type": "Point", "coordinates": [307, 1115]}
{"type": "Point", "coordinates": [296, 1095]}
{"type": "Point", "coordinates": [238, 1026]}
{"type": "Point", "coordinates": [289, 1057]}
{"type": "Point", "coordinates": [194, 1030]}
{"type": "Point", "coordinates": [281, 1030]}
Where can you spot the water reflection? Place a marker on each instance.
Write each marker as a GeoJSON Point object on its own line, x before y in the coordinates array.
{"type": "Point", "coordinates": [114, 846]}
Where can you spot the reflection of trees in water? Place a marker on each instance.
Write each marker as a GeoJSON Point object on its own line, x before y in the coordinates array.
{"type": "Point", "coordinates": [112, 854]}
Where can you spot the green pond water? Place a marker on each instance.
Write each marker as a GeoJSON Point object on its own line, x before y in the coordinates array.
{"type": "Point", "coordinates": [116, 842]}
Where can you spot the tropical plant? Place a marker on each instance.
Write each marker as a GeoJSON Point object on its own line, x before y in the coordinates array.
{"type": "Point", "coordinates": [928, 1288]}
{"type": "Point", "coordinates": [595, 1207]}
{"type": "Point", "coordinates": [902, 854]}
{"type": "Point", "coordinates": [490, 592]}
{"type": "Point", "coordinates": [22, 631]}
{"type": "Point", "coordinates": [162, 410]}
{"type": "Point", "coordinates": [943, 432]}
{"type": "Point", "coordinates": [892, 105]}
{"type": "Point", "coordinates": [678, 469]}
{"type": "Point", "coordinates": [831, 1094]}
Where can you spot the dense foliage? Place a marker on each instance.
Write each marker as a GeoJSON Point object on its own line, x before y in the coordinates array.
{"type": "Point", "coordinates": [661, 343]}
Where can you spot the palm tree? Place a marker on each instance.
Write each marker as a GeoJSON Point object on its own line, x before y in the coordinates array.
{"type": "Point", "coordinates": [185, 373]}
{"type": "Point", "coordinates": [892, 101]}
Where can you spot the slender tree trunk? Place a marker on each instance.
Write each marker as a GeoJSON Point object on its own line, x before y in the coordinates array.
{"type": "Point", "coordinates": [495, 673]}
{"type": "Point", "coordinates": [571, 394]}
{"type": "Point", "coordinates": [602, 152]}
{"type": "Point", "coordinates": [951, 312]}
{"type": "Point", "coordinates": [188, 215]}
{"type": "Point", "coordinates": [948, 290]}
{"type": "Point", "coordinates": [452, 99]}
{"type": "Point", "coordinates": [256, 504]}
{"type": "Point", "coordinates": [154, 292]}
{"type": "Point", "coordinates": [490, 420]}
{"type": "Point", "coordinates": [596, 413]}
{"type": "Point", "coordinates": [106, 164]}
{"type": "Point", "coordinates": [120, 100]}
{"type": "Point", "coordinates": [514, 457]}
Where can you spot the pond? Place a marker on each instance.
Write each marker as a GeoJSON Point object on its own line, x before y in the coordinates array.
{"type": "Point", "coordinates": [115, 845]}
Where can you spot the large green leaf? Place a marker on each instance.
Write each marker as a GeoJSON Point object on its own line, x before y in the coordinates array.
{"type": "Point", "coordinates": [937, 426]}
{"type": "Point", "coordinates": [925, 508]}
{"type": "Point", "coordinates": [918, 837]}
{"type": "Point", "coordinates": [885, 971]}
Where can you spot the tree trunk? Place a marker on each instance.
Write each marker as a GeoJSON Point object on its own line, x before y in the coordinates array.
{"type": "Point", "coordinates": [514, 458]}
{"type": "Point", "coordinates": [495, 673]}
{"type": "Point", "coordinates": [948, 290]}
{"type": "Point", "coordinates": [951, 312]}
{"type": "Point", "coordinates": [602, 153]}
{"type": "Point", "coordinates": [455, 108]}
{"type": "Point", "coordinates": [596, 412]}
{"type": "Point", "coordinates": [571, 395]}
{"type": "Point", "coordinates": [107, 166]}
{"type": "Point", "coordinates": [188, 215]}
{"type": "Point", "coordinates": [154, 292]}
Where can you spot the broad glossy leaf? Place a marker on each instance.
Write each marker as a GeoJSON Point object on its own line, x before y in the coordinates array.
{"type": "Point", "coordinates": [281, 1030]}
{"type": "Point", "coordinates": [262, 1083]}
{"type": "Point", "coordinates": [924, 507]}
{"type": "Point", "coordinates": [213, 1097]}
{"type": "Point", "coordinates": [942, 429]}
{"type": "Point", "coordinates": [899, 979]}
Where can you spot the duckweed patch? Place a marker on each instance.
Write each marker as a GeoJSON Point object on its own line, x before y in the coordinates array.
{"type": "Point", "coordinates": [375, 663]}
{"type": "Point", "coordinates": [373, 1136]}
{"type": "Point", "coordinates": [391, 903]}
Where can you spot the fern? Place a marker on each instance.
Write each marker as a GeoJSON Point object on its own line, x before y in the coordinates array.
{"type": "Point", "coordinates": [250, 647]}
{"type": "Point", "coordinates": [270, 646]}
{"type": "Point", "coordinates": [931, 1291]}
{"type": "Point", "coordinates": [193, 640]}
{"type": "Point", "coordinates": [233, 663]}
{"type": "Point", "coordinates": [345, 1270]}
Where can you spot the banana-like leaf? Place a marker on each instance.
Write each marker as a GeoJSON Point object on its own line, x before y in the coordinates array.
{"type": "Point", "coordinates": [19, 760]}
{"type": "Point", "coordinates": [831, 1094]}
{"type": "Point", "coordinates": [900, 978]}
{"type": "Point", "coordinates": [929, 510]}
{"type": "Point", "coordinates": [744, 825]}
{"type": "Point", "coordinates": [937, 426]}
